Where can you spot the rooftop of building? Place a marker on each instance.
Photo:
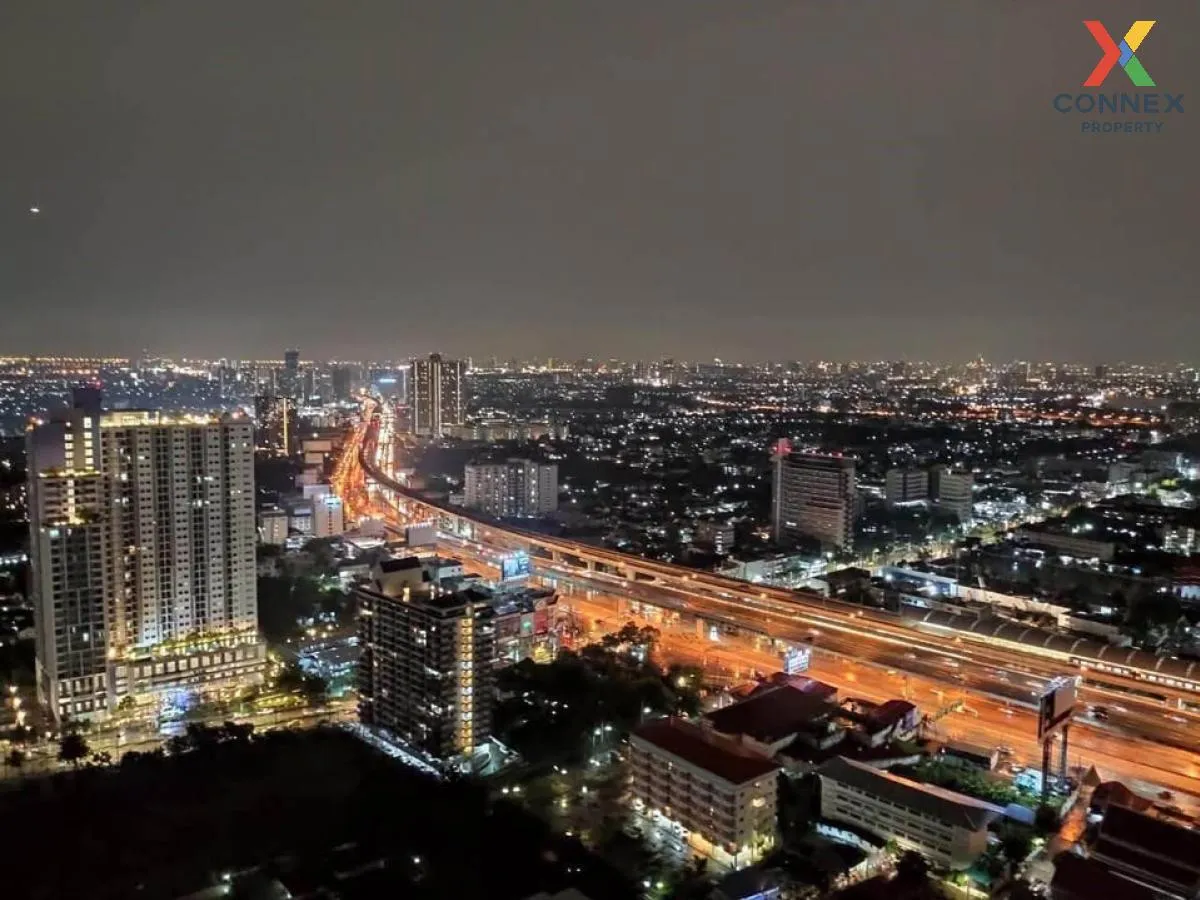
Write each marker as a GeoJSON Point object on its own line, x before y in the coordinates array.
{"type": "Point", "coordinates": [946, 806]}
{"type": "Point", "coordinates": [1081, 878]}
{"type": "Point", "coordinates": [889, 713]}
{"type": "Point", "coordinates": [402, 564]}
{"type": "Point", "coordinates": [1114, 793]}
{"type": "Point", "coordinates": [724, 758]}
{"type": "Point", "coordinates": [799, 682]}
{"type": "Point", "coordinates": [772, 713]}
{"type": "Point", "coordinates": [991, 627]}
{"type": "Point", "coordinates": [1149, 843]}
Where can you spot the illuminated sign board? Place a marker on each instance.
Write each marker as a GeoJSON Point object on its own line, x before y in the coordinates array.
{"type": "Point", "coordinates": [515, 566]}
{"type": "Point", "coordinates": [1056, 706]}
{"type": "Point", "coordinates": [797, 659]}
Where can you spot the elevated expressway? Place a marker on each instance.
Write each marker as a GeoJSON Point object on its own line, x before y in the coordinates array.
{"type": "Point", "coordinates": [1148, 736]}
{"type": "Point", "coordinates": [962, 642]}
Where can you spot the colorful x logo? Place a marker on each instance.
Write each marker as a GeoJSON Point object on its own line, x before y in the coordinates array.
{"type": "Point", "coordinates": [1122, 54]}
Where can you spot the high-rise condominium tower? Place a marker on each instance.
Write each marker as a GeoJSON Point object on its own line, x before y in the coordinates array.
{"type": "Point", "coordinates": [437, 395]}
{"type": "Point", "coordinates": [143, 569]}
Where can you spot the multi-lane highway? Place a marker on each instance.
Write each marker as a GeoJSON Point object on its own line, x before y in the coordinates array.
{"type": "Point", "coordinates": [1141, 738]}
{"type": "Point", "coordinates": [983, 720]}
{"type": "Point", "coordinates": [770, 609]}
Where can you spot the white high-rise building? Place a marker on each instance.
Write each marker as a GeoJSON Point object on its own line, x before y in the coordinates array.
{"type": "Point", "coordinates": [517, 488]}
{"type": "Point", "coordinates": [143, 531]}
{"type": "Point", "coordinates": [438, 403]}
{"type": "Point", "coordinates": [814, 496]}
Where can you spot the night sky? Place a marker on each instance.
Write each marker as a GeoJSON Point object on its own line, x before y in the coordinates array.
{"type": "Point", "coordinates": [748, 179]}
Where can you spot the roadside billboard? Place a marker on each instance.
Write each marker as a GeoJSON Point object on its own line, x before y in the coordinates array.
{"type": "Point", "coordinates": [1056, 706]}
{"type": "Point", "coordinates": [515, 566]}
{"type": "Point", "coordinates": [420, 535]}
{"type": "Point", "coordinates": [797, 659]}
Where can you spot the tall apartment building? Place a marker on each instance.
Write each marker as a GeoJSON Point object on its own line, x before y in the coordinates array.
{"type": "Point", "coordinates": [143, 561]}
{"type": "Point", "coordinates": [906, 486]}
{"type": "Point", "coordinates": [428, 655]}
{"type": "Point", "coordinates": [518, 488]}
{"type": "Point", "coordinates": [68, 564]}
{"type": "Point", "coordinates": [954, 491]}
{"type": "Point", "coordinates": [721, 794]}
{"type": "Point", "coordinates": [814, 496]}
{"type": "Point", "coordinates": [438, 402]}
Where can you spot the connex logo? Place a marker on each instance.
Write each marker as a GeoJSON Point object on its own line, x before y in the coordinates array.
{"type": "Point", "coordinates": [1100, 108]}
{"type": "Point", "coordinates": [1123, 54]}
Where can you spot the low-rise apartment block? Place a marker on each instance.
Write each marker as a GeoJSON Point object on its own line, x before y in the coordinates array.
{"type": "Point", "coordinates": [720, 794]}
{"type": "Point", "coordinates": [949, 829]}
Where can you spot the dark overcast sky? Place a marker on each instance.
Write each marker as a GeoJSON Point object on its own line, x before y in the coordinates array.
{"type": "Point", "coordinates": [750, 179]}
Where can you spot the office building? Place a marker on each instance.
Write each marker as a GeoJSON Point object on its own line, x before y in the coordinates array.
{"type": "Point", "coordinates": [343, 383]}
{"type": "Point", "coordinates": [428, 655]}
{"type": "Point", "coordinates": [954, 492]}
{"type": "Point", "coordinates": [813, 496]}
{"type": "Point", "coordinates": [518, 488]}
{"type": "Point", "coordinates": [949, 829]}
{"type": "Point", "coordinates": [906, 486]}
{"type": "Point", "coordinates": [438, 403]}
{"type": "Point", "coordinates": [718, 795]}
{"type": "Point", "coordinates": [289, 379]}
{"type": "Point", "coordinates": [143, 534]}
{"type": "Point", "coordinates": [328, 517]}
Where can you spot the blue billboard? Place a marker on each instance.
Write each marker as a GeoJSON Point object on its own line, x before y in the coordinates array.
{"type": "Point", "coordinates": [515, 566]}
{"type": "Point", "coordinates": [797, 659]}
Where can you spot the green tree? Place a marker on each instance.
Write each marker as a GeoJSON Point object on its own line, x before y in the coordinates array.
{"type": "Point", "coordinates": [1016, 846]}
{"type": "Point", "coordinates": [73, 748]}
{"type": "Point", "coordinates": [1046, 820]}
{"type": "Point", "coordinates": [911, 868]}
{"type": "Point", "coordinates": [315, 689]}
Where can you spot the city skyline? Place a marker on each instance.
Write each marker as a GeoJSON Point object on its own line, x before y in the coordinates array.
{"type": "Point", "coordinates": [672, 179]}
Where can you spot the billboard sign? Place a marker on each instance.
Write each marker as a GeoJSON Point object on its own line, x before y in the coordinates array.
{"type": "Point", "coordinates": [797, 659]}
{"type": "Point", "coordinates": [515, 566]}
{"type": "Point", "coordinates": [420, 535]}
{"type": "Point", "coordinates": [1056, 706]}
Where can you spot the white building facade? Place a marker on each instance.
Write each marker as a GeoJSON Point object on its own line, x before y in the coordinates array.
{"type": "Point", "coordinates": [518, 488]}
{"type": "Point", "coordinates": [949, 829]}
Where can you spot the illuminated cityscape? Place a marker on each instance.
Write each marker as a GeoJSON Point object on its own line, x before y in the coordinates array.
{"type": "Point", "coordinates": [658, 450]}
{"type": "Point", "coordinates": [867, 584]}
